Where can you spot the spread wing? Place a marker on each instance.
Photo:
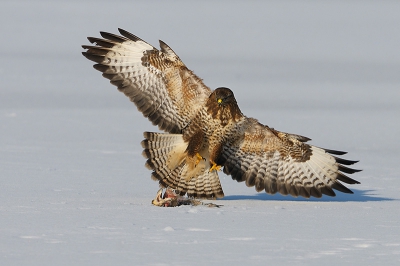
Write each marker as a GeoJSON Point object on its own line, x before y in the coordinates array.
{"type": "Point", "coordinates": [161, 86]}
{"type": "Point", "coordinates": [280, 162]}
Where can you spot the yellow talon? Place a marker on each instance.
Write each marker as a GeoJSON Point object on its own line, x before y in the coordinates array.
{"type": "Point", "coordinates": [215, 167]}
{"type": "Point", "coordinates": [199, 158]}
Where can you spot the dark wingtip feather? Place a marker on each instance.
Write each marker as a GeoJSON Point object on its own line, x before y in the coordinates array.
{"type": "Point", "coordinates": [314, 192]}
{"type": "Point", "coordinates": [113, 37]}
{"type": "Point", "coordinates": [100, 67]}
{"type": "Point", "coordinates": [346, 179]}
{"type": "Point", "coordinates": [340, 187]}
{"type": "Point", "coordinates": [101, 42]}
{"type": "Point", "coordinates": [92, 39]}
{"type": "Point", "coordinates": [303, 192]}
{"type": "Point", "coordinates": [347, 170]}
{"type": "Point", "coordinates": [328, 191]}
{"type": "Point", "coordinates": [93, 57]}
{"type": "Point", "coordinates": [129, 35]}
{"type": "Point", "coordinates": [335, 152]}
{"type": "Point", "coordinates": [344, 161]}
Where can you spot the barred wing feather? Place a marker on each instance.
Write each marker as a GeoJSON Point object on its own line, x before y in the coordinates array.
{"type": "Point", "coordinates": [161, 86]}
{"type": "Point", "coordinates": [279, 162]}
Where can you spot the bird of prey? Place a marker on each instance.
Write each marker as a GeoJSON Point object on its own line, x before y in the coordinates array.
{"type": "Point", "coordinates": [205, 130]}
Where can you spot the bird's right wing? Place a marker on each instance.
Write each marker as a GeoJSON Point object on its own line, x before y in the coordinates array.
{"type": "Point", "coordinates": [157, 81]}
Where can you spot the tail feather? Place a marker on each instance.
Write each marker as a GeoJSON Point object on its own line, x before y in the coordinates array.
{"type": "Point", "coordinates": [205, 186]}
{"type": "Point", "coordinates": [163, 150]}
{"type": "Point", "coordinates": [166, 156]}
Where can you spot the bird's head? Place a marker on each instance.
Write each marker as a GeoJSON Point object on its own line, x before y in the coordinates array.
{"type": "Point", "coordinates": [222, 104]}
{"type": "Point", "coordinates": [223, 97]}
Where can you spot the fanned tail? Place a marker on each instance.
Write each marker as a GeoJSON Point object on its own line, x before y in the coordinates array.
{"type": "Point", "coordinates": [166, 156]}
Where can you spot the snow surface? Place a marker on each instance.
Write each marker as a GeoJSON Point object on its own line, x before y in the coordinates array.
{"type": "Point", "coordinates": [74, 189]}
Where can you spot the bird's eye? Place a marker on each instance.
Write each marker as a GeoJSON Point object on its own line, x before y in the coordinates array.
{"type": "Point", "coordinates": [219, 100]}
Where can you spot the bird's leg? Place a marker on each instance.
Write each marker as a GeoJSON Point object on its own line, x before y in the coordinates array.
{"type": "Point", "coordinates": [194, 147]}
{"type": "Point", "coordinates": [214, 154]}
{"type": "Point", "coordinates": [215, 167]}
{"type": "Point", "coordinates": [199, 158]}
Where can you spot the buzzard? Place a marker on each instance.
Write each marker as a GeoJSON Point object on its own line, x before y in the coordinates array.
{"type": "Point", "coordinates": [205, 130]}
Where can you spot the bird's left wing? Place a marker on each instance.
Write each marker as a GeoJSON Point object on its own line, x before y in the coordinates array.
{"type": "Point", "coordinates": [280, 162]}
{"type": "Point", "coordinates": [157, 81]}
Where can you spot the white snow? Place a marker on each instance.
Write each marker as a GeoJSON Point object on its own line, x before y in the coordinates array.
{"type": "Point", "coordinates": [74, 189]}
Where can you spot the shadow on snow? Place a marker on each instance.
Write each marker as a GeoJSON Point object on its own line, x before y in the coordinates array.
{"type": "Point", "coordinates": [358, 196]}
